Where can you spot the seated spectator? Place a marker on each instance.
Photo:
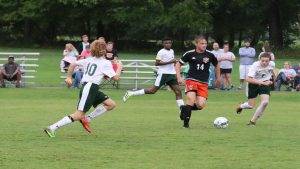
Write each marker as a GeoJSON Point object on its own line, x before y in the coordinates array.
{"type": "Point", "coordinates": [82, 45]}
{"type": "Point", "coordinates": [267, 49]}
{"type": "Point", "coordinates": [69, 56]}
{"type": "Point", "coordinates": [87, 52]}
{"type": "Point", "coordinates": [286, 76]}
{"type": "Point", "coordinates": [297, 78]}
{"type": "Point", "coordinates": [11, 72]}
{"type": "Point", "coordinates": [78, 73]}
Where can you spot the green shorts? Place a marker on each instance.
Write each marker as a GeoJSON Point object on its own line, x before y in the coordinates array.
{"type": "Point", "coordinates": [169, 79]}
{"type": "Point", "coordinates": [254, 90]}
{"type": "Point", "coordinates": [90, 96]}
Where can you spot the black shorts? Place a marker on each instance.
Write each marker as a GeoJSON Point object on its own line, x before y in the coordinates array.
{"type": "Point", "coordinates": [225, 71]}
{"type": "Point", "coordinates": [255, 89]}
{"type": "Point", "coordinates": [14, 78]}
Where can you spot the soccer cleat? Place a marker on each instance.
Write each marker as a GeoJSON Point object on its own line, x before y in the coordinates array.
{"type": "Point", "coordinates": [251, 123]}
{"type": "Point", "coordinates": [49, 132]}
{"type": "Point", "coordinates": [86, 125]}
{"type": "Point", "coordinates": [126, 96]}
{"type": "Point", "coordinates": [186, 123]}
{"type": "Point", "coordinates": [239, 109]}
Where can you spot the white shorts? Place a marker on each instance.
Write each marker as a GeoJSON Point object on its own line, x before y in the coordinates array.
{"type": "Point", "coordinates": [244, 69]}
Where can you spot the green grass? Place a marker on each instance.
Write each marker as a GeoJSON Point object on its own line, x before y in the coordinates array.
{"type": "Point", "coordinates": [145, 132]}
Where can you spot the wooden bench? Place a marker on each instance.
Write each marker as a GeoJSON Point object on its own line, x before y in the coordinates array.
{"type": "Point", "coordinates": [27, 65]}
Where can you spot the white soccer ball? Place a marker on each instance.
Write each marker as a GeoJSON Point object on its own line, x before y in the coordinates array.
{"type": "Point", "coordinates": [221, 123]}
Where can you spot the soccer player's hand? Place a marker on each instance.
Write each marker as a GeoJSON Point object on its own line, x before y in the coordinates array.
{"type": "Point", "coordinates": [68, 81]}
{"type": "Point", "coordinates": [218, 83]}
{"type": "Point", "coordinates": [180, 80]}
{"type": "Point", "coordinates": [267, 83]}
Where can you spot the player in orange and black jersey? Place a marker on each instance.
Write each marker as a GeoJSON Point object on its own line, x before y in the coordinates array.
{"type": "Point", "coordinates": [196, 84]}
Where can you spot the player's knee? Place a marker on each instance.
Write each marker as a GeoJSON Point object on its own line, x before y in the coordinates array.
{"type": "Point", "coordinates": [111, 105]}
{"type": "Point", "coordinates": [265, 103]}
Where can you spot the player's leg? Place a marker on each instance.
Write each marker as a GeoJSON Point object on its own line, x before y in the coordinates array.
{"type": "Point", "coordinates": [50, 130]}
{"type": "Point", "coordinates": [178, 95]}
{"type": "Point", "coordinates": [260, 109]}
{"type": "Point", "coordinates": [160, 80]}
{"type": "Point", "coordinates": [252, 94]}
{"type": "Point", "coordinates": [186, 110]}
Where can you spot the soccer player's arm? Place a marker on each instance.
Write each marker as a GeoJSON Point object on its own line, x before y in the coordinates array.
{"type": "Point", "coordinates": [250, 78]}
{"type": "Point", "coordinates": [71, 69]}
{"type": "Point", "coordinates": [159, 62]}
{"type": "Point", "coordinates": [182, 61]}
{"type": "Point", "coordinates": [109, 71]}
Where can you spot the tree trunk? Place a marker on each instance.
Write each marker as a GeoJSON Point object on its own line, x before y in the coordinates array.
{"type": "Point", "coordinates": [275, 28]}
{"type": "Point", "coordinates": [231, 39]}
{"type": "Point", "coordinates": [240, 38]}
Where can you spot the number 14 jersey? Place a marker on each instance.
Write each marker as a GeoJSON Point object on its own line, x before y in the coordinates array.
{"type": "Point", "coordinates": [95, 69]}
{"type": "Point", "coordinates": [199, 65]}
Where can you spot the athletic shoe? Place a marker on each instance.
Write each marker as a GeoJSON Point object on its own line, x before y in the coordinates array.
{"type": "Point", "coordinates": [186, 123]}
{"type": "Point", "coordinates": [49, 132]}
{"type": "Point", "coordinates": [239, 109]}
{"type": "Point", "coordinates": [126, 96]}
{"type": "Point", "coordinates": [251, 123]}
{"type": "Point", "coordinates": [86, 125]}
{"type": "Point", "coordinates": [182, 115]}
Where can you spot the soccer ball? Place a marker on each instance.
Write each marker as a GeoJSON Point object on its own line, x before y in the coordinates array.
{"type": "Point", "coordinates": [221, 123]}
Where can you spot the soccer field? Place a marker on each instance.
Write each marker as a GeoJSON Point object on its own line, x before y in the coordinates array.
{"type": "Point", "coordinates": [146, 133]}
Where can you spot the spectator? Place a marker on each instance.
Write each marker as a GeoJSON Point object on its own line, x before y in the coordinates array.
{"type": "Point", "coordinates": [285, 76]}
{"type": "Point", "coordinates": [212, 77]}
{"type": "Point", "coordinates": [87, 52]}
{"type": "Point", "coordinates": [85, 42]}
{"type": "Point", "coordinates": [247, 55]}
{"type": "Point", "coordinates": [11, 72]}
{"type": "Point", "coordinates": [267, 49]}
{"type": "Point", "coordinates": [111, 53]}
{"type": "Point", "coordinates": [216, 49]}
{"type": "Point", "coordinates": [69, 56]}
{"type": "Point", "coordinates": [225, 60]}
{"type": "Point", "coordinates": [297, 78]}
{"type": "Point", "coordinates": [101, 38]}
{"type": "Point", "coordinates": [77, 74]}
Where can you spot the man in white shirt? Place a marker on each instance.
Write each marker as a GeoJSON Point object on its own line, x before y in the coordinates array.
{"type": "Point", "coordinates": [259, 83]}
{"type": "Point", "coordinates": [165, 60]}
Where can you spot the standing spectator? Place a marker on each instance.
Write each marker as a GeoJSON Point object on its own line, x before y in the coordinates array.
{"type": "Point", "coordinates": [297, 78]}
{"type": "Point", "coordinates": [87, 52]}
{"type": "Point", "coordinates": [11, 72]}
{"type": "Point", "coordinates": [247, 55]}
{"type": "Point", "coordinates": [285, 76]}
{"type": "Point", "coordinates": [267, 49]}
{"type": "Point", "coordinates": [82, 45]}
{"type": "Point", "coordinates": [216, 49]}
{"type": "Point", "coordinates": [225, 60]}
{"type": "Point", "coordinates": [212, 77]}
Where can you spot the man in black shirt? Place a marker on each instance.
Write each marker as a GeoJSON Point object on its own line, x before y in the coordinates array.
{"type": "Point", "coordinates": [196, 84]}
{"type": "Point", "coordinates": [111, 53]}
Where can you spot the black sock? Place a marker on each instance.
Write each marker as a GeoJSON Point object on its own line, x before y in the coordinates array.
{"type": "Point", "coordinates": [188, 111]}
{"type": "Point", "coordinates": [195, 107]}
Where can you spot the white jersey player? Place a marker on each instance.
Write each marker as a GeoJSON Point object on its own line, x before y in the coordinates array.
{"type": "Point", "coordinates": [259, 81]}
{"type": "Point", "coordinates": [95, 68]}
